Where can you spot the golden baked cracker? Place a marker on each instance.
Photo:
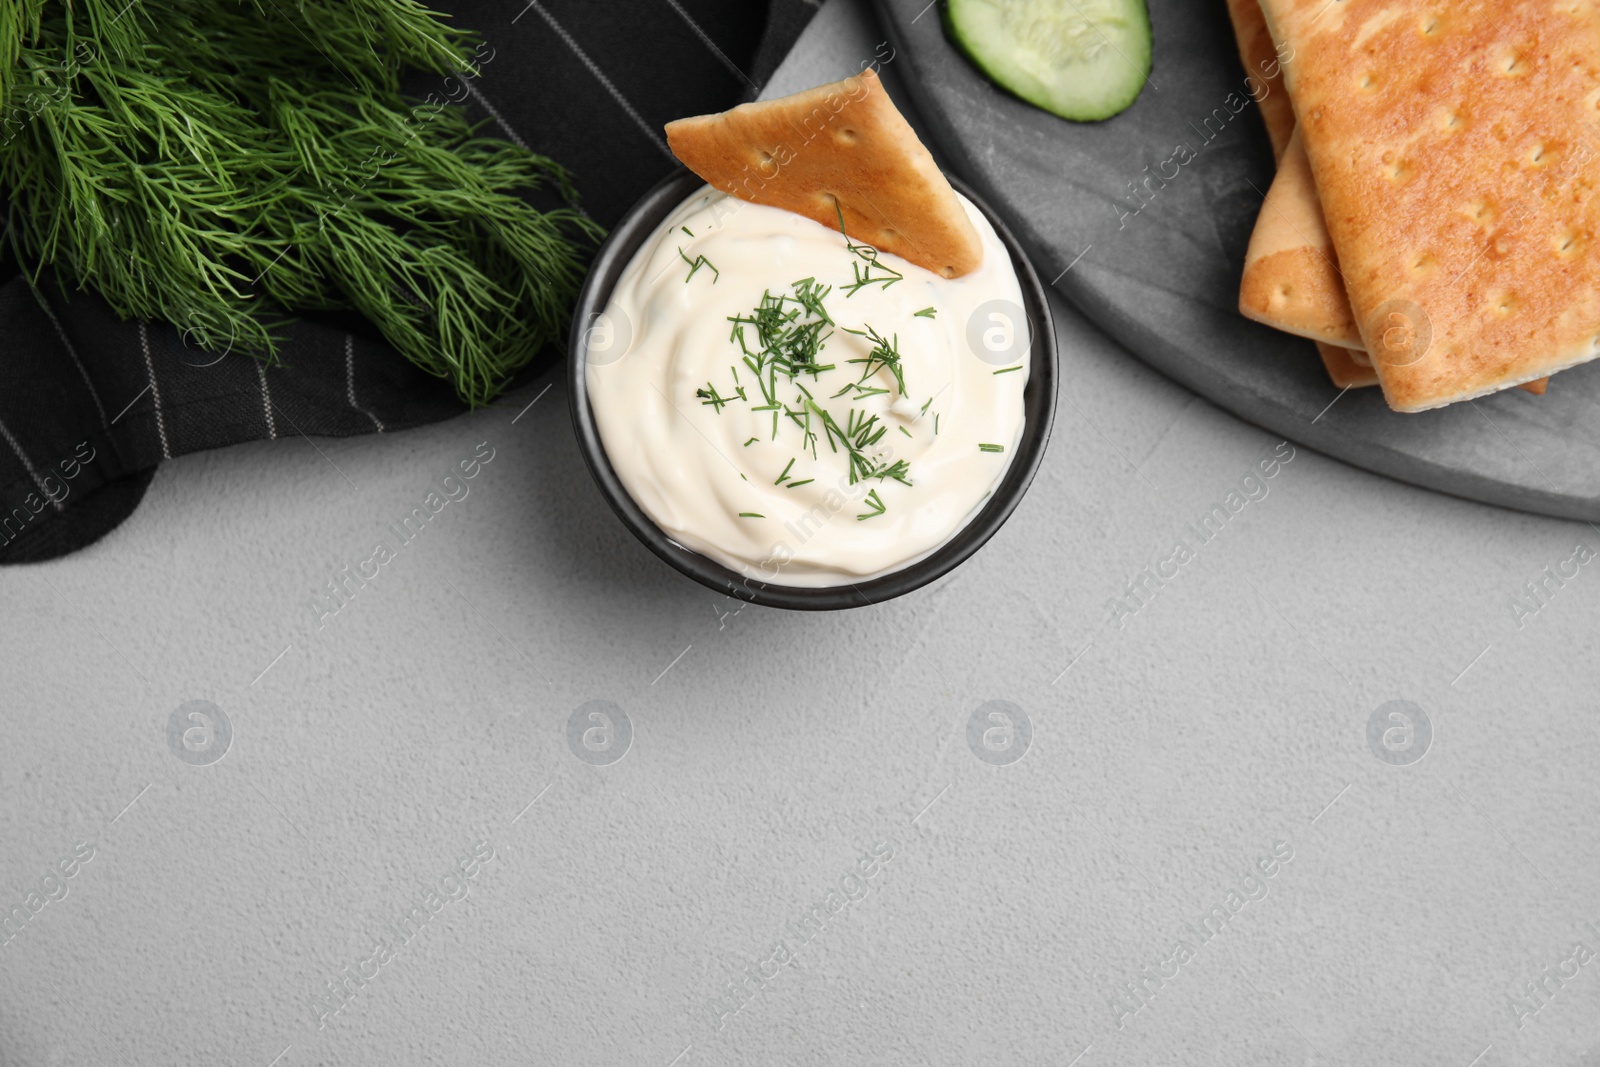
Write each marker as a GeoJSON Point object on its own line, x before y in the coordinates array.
{"type": "Point", "coordinates": [1447, 145]}
{"type": "Point", "coordinates": [1344, 369]}
{"type": "Point", "coordinates": [1349, 368]}
{"type": "Point", "coordinates": [1292, 282]}
{"type": "Point", "coordinates": [1291, 274]}
{"type": "Point", "coordinates": [841, 148]}
{"type": "Point", "coordinates": [1265, 81]}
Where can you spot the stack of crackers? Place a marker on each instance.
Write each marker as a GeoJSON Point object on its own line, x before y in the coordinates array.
{"type": "Point", "coordinates": [1431, 222]}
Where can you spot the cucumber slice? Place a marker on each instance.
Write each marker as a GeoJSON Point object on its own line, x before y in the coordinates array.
{"type": "Point", "coordinates": [1084, 60]}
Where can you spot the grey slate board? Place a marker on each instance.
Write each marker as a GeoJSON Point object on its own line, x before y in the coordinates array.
{"type": "Point", "coordinates": [1159, 270]}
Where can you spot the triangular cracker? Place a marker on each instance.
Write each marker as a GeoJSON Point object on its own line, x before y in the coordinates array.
{"type": "Point", "coordinates": [841, 148]}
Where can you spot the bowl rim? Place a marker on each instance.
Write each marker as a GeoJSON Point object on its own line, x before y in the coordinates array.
{"type": "Point", "coordinates": [1039, 405]}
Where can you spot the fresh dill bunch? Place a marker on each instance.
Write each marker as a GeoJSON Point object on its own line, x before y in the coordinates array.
{"type": "Point", "coordinates": [19, 20]}
{"type": "Point", "coordinates": [214, 163]}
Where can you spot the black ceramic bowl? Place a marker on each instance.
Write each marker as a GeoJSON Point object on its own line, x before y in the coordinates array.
{"type": "Point", "coordinates": [1039, 404]}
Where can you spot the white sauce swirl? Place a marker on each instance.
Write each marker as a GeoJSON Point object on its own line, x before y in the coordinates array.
{"type": "Point", "coordinates": [691, 463]}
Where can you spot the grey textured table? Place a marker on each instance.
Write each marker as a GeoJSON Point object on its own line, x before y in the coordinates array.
{"type": "Point", "coordinates": [1201, 839]}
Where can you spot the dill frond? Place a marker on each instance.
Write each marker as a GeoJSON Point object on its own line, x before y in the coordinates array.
{"type": "Point", "coordinates": [220, 163]}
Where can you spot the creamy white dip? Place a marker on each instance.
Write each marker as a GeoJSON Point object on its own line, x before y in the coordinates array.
{"type": "Point", "coordinates": [724, 478]}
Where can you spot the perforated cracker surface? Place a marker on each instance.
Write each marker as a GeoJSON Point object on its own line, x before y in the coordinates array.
{"type": "Point", "coordinates": [844, 143]}
{"type": "Point", "coordinates": [1454, 148]}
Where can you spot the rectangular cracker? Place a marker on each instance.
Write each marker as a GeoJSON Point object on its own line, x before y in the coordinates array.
{"type": "Point", "coordinates": [1349, 368]}
{"type": "Point", "coordinates": [1447, 146]}
{"type": "Point", "coordinates": [1291, 274]}
{"type": "Point", "coordinates": [1292, 280]}
{"type": "Point", "coordinates": [1344, 369]}
{"type": "Point", "coordinates": [1265, 78]}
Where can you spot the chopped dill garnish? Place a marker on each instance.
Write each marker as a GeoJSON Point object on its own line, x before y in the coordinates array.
{"type": "Point", "coordinates": [926, 313]}
{"type": "Point", "coordinates": [696, 263]}
{"type": "Point", "coordinates": [1008, 370]}
{"type": "Point", "coordinates": [829, 425]}
{"type": "Point", "coordinates": [864, 430]}
{"type": "Point", "coordinates": [711, 398]}
{"type": "Point", "coordinates": [864, 276]}
{"type": "Point", "coordinates": [899, 471]}
{"type": "Point", "coordinates": [875, 503]}
{"type": "Point", "coordinates": [991, 448]}
{"type": "Point", "coordinates": [867, 262]}
{"type": "Point", "coordinates": [810, 296]}
{"type": "Point", "coordinates": [779, 342]}
{"type": "Point", "coordinates": [885, 353]}
{"type": "Point", "coordinates": [860, 433]}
